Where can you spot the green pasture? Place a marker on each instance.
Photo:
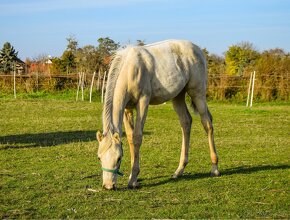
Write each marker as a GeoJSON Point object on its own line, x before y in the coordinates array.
{"type": "Point", "coordinates": [49, 166]}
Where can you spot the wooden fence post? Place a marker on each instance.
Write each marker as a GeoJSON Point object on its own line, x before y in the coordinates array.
{"type": "Point", "coordinates": [99, 76]}
{"type": "Point", "coordinates": [79, 84]}
{"type": "Point", "coordinates": [253, 85]}
{"type": "Point", "coordinates": [103, 87]}
{"type": "Point", "coordinates": [92, 83]}
{"type": "Point", "coordinates": [14, 80]}
{"type": "Point", "coordinates": [83, 84]}
{"type": "Point", "coordinates": [249, 90]}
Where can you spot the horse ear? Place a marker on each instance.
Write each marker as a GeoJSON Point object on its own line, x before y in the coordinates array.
{"type": "Point", "coordinates": [116, 137]}
{"type": "Point", "coordinates": [99, 136]}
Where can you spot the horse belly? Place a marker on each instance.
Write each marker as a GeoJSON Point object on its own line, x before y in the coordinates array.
{"type": "Point", "coordinates": [167, 85]}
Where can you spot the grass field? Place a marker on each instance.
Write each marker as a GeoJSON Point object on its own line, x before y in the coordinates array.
{"type": "Point", "coordinates": [49, 166]}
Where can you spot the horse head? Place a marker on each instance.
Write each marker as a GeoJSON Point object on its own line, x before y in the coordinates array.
{"type": "Point", "coordinates": [110, 154]}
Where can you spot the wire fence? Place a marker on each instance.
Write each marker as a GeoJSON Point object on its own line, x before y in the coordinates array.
{"type": "Point", "coordinates": [220, 87]}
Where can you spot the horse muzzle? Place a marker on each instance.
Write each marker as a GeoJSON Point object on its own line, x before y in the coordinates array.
{"type": "Point", "coordinates": [109, 186]}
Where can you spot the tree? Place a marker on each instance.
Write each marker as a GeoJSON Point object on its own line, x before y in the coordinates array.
{"type": "Point", "coordinates": [66, 64]}
{"type": "Point", "coordinates": [107, 46]}
{"type": "Point", "coordinates": [87, 59]}
{"type": "Point", "coordinates": [68, 61]}
{"type": "Point", "coordinates": [72, 44]}
{"type": "Point", "coordinates": [215, 63]}
{"type": "Point", "coordinates": [106, 50]}
{"type": "Point", "coordinates": [277, 52]}
{"type": "Point", "coordinates": [240, 56]}
{"type": "Point", "coordinates": [273, 68]}
{"type": "Point", "coordinates": [57, 66]}
{"type": "Point", "coordinates": [8, 56]}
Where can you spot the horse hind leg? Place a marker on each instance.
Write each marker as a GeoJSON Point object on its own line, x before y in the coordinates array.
{"type": "Point", "coordinates": [185, 122]}
{"type": "Point", "coordinates": [207, 122]}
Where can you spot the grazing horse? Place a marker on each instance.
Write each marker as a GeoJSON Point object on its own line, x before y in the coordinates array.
{"type": "Point", "coordinates": [152, 74]}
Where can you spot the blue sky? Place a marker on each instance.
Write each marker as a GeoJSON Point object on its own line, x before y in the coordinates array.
{"type": "Point", "coordinates": [36, 27]}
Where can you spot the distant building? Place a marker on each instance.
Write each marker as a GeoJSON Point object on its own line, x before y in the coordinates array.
{"type": "Point", "coordinates": [20, 66]}
{"type": "Point", "coordinates": [41, 67]}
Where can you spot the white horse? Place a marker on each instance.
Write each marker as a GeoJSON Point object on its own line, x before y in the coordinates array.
{"type": "Point", "coordinates": [152, 74]}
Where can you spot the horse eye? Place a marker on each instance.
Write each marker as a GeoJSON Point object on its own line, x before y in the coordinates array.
{"type": "Point", "coordinates": [119, 160]}
{"type": "Point", "coordinates": [99, 158]}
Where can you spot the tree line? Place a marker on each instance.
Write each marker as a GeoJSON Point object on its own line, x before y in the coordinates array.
{"type": "Point", "coordinates": [242, 58]}
{"type": "Point", "coordinates": [272, 66]}
{"type": "Point", "coordinates": [238, 60]}
{"type": "Point", "coordinates": [272, 69]}
{"type": "Point", "coordinates": [85, 59]}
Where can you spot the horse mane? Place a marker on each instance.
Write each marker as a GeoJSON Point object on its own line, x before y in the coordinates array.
{"type": "Point", "coordinates": [114, 71]}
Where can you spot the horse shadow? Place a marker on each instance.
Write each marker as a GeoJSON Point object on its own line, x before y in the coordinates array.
{"type": "Point", "coordinates": [48, 139]}
{"type": "Point", "coordinates": [226, 172]}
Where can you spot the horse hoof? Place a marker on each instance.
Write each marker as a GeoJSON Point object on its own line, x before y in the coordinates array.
{"type": "Point", "coordinates": [175, 176]}
{"type": "Point", "coordinates": [215, 173]}
{"type": "Point", "coordinates": [134, 186]}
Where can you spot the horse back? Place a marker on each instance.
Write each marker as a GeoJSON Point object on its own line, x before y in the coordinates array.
{"type": "Point", "coordinates": [178, 65]}
{"type": "Point", "coordinates": [162, 70]}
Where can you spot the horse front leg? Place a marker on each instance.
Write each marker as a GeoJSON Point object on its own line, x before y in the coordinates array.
{"type": "Point", "coordinates": [129, 128]}
{"type": "Point", "coordinates": [142, 108]}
